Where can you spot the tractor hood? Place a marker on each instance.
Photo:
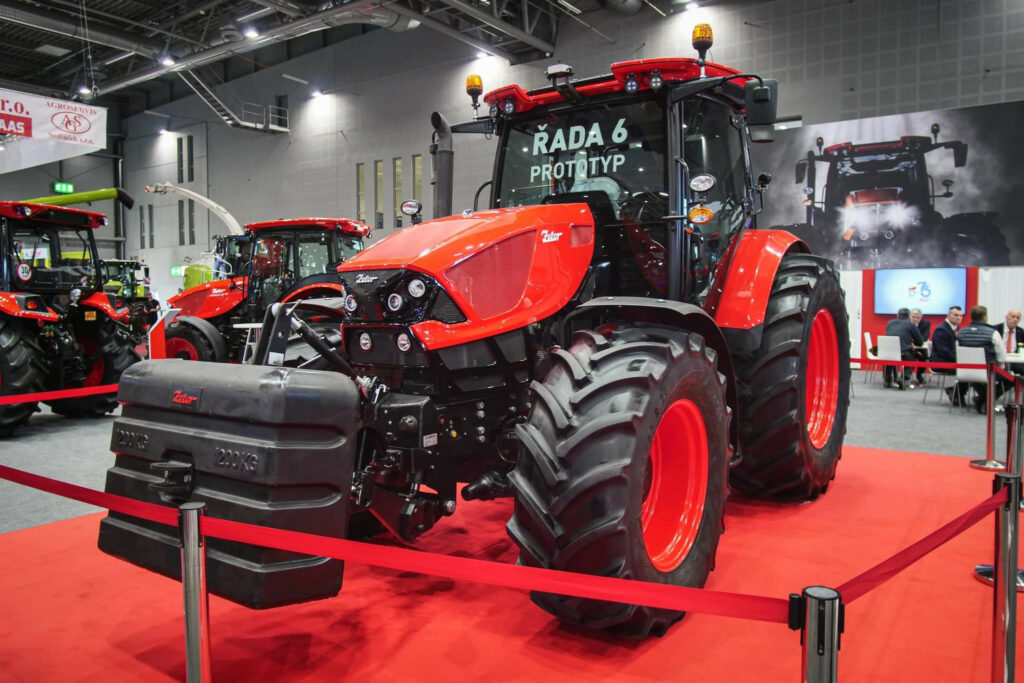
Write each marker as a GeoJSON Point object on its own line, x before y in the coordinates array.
{"type": "Point", "coordinates": [502, 268]}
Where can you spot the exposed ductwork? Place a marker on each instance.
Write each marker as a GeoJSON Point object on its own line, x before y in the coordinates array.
{"type": "Point", "coordinates": [503, 26]}
{"type": "Point", "coordinates": [356, 12]}
{"type": "Point", "coordinates": [55, 23]}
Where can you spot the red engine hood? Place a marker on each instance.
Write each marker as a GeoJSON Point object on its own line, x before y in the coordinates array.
{"type": "Point", "coordinates": [502, 290]}
{"type": "Point", "coordinates": [433, 246]}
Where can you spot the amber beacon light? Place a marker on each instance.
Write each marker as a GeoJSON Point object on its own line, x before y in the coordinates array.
{"type": "Point", "coordinates": [702, 40]}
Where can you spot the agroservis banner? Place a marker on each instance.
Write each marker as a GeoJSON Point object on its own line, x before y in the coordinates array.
{"type": "Point", "coordinates": [37, 130]}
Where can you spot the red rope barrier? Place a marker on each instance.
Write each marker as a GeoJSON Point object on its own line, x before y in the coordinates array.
{"type": "Point", "coordinates": [882, 572]}
{"type": "Point", "coordinates": [722, 603]}
{"type": "Point", "coordinates": [920, 364]}
{"type": "Point", "coordinates": [55, 395]}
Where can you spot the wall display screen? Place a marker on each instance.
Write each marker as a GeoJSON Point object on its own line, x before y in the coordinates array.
{"type": "Point", "coordinates": [933, 290]}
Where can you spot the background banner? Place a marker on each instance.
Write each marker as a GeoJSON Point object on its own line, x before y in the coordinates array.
{"type": "Point", "coordinates": [37, 130]}
{"type": "Point", "coordinates": [929, 189]}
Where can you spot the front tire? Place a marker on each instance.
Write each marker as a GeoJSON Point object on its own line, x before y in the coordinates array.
{"type": "Point", "coordinates": [22, 371]}
{"type": "Point", "coordinates": [107, 352]}
{"type": "Point", "coordinates": [188, 343]}
{"type": "Point", "coordinates": [624, 470]}
{"type": "Point", "coordinates": [794, 391]}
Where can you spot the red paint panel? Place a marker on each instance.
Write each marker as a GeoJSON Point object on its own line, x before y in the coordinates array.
{"type": "Point", "coordinates": [9, 306]}
{"type": "Point", "coordinates": [321, 289]}
{"type": "Point", "coordinates": [101, 302]}
{"type": "Point", "coordinates": [672, 69]}
{"type": "Point", "coordinates": [210, 299]}
{"type": "Point", "coordinates": [10, 210]}
{"type": "Point", "coordinates": [346, 225]}
{"type": "Point", "coordinates": [751, 273]}
{"type": "Point", "coordinates": [562, 240]}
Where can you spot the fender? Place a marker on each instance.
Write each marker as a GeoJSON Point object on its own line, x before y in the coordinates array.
{"type": "Point", "coordinates": [739, 306]}
{"type": "Point", "coordinates": [29, 306]}
{"type": "Point", "coordinates": [319, 290]}
{"type": "Point", "coordinates": [686, 317]}
{"type": "Point", "coordinates": [206, 328]}
{"type": "Point", "coordinates": [104, 301]}
{"type": "Point", "coordinates": [210, 299]}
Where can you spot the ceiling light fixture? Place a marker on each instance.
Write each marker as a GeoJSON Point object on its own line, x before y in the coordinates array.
{"type": "Point", "coordinates": [167, 60]}
{"type": "Point", "coordinates": [84, 90]}
{"type": "Point", "coordinates": [251, 33]}
{"type": "Point", "coordinates": [317, 93]}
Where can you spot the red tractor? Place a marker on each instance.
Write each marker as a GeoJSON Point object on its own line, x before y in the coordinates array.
{"type": "Point", "coordinates": [284, 260]}
{"type": "Point", "coordinates": [878, 206]}
{"type": "Point", "coordinates": [611, 344]}
{"type": "Point", "coordinates": [58, 328]}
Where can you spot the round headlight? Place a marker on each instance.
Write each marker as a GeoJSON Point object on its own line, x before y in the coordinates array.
{"type": "Point", "coordinates": [631, 84]}
{"type": "Point", "coordinates": [702, 183]}
{"type": "Point", "coordinates": [365, 342]}
{"type": "Point", "coordinates": [351, 304]}
{"type": "Point", "coordinates": [395, 302]}
{"type": "Point", "coordinates": [509, 106]}
{"type": "Point", "coordinates": [656, 81]}
{"type": "Point", "coordinates": [404, 343]}
{"type": "Point", "coordinates": [494, 111]}
{"type": "Point", "coordinates": [417, 288]}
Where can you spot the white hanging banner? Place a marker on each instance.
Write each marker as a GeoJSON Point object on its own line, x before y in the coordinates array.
{"type": "Point", "coordinates": [38, 130]}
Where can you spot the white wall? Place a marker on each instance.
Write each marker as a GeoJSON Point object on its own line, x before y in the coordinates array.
{"type": "Point", "coordinates": [834, 59]}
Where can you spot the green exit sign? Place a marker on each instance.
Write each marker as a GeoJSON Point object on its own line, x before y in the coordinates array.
{"type": "Point", "coordinates": [177, 271]}
{"type": "Point", "coordinates": [61, 187]}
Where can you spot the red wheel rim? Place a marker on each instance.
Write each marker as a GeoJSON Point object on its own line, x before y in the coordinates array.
{"type": "Point", "coordinates": [821, 394]}
{"type": "Point", "coordinates": [90, 350]}
{"type": "Point", "coordinates": [176, 347]}
{"type": "Point", "coordinates": [674, 503]}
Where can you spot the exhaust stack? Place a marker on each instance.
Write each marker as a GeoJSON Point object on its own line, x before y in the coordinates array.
{"type": "Point", "coordinates": [443, 160]}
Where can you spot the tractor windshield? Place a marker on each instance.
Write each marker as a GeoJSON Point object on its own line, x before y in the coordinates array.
{"type": "Point", "coordinates": [617, 148]}
{"type": "Point", "coordinates": [50, 259]}
{"type": "Point", "coordinates": [856, 180]}
{"type": "Point", "coordinates": [282, 259]}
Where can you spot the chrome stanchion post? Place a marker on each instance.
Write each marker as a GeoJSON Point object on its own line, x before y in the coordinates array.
{"type": "Point", "coordinates": [193, 581]}
{"type": "Point", "coordinates": [818, 613]}
{"type": "Point", "coordinates": [1004, 631]}
{"type": "Point", "coordinates": [1014, 465]}
{"type": "Point", "coordinates": [989, 463]}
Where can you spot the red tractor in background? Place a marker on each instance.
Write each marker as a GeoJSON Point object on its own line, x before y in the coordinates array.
{"type": "Point", "coordinates": [607, 344]}
{"type": "Point", "coordinates": [58, 328]}
{"type": "Point", "coordinates": [281, 261]}
{"type": "Point", "coordinates": [878, 207]}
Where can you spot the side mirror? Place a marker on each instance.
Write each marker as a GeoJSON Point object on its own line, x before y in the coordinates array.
{"type": "Point", "coordinates": [413, 209]}
{"type": "Point", "coordinates": [763, 180]}
{"type": "Point", "coordinates": [761, 101]}
{"type": "Point", "coordinates": [801, 170]}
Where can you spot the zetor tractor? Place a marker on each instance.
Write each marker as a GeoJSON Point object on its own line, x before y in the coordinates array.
{"type": "Point", "coordinates": [129, 281]}
{"type": "Point", "coordinates": [287, 260]}
{"type": "Point", "coordinates": [58, 329]}
{"type": "Point", "coordinates": [606, 344]}
{"type": "Point", "coordinates": [878, 209]}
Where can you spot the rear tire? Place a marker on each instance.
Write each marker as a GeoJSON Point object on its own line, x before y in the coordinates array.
{"type": "Point", "coordinates": [624, 470]}
{"type": "Point", "coordinates": [188, 343]}
{"type": "Point", "coordinates": [22, 371]}
{"type": "Point", "coordinates": [791, 430]}
{"type": "Point", "coordinates": [108, 352]}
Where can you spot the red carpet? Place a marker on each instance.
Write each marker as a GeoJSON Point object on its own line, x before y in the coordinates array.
{"type": "Point", "coordinates": [71, 613]}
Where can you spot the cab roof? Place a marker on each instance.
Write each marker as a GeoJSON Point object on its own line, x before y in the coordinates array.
{"type": "Point", "coordinates": [345, 225]}
{"type": "Point", "coordinates": [58, 215]}
{"type": "Point", "coordinates": [672, 69]}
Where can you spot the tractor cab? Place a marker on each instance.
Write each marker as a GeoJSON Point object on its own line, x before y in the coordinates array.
{"type": "Point", "coordinates": [49, 251]}
{"type": "Point", "coordinates": [290, 256]}
{"type": "Point", "coordinates": [657, 150]}
{"type": "Point", "coordinates": [125, 278]}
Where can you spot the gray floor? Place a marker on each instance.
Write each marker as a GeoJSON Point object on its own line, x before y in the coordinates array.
{"type": "Point", "coordinates": [76, 451]}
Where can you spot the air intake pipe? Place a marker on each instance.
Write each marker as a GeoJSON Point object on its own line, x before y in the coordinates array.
{"type": "Point", "coordinates": [443, 164]}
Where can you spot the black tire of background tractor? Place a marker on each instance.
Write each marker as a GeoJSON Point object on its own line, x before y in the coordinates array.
{"type": "Point", "coordinates": [779, 459]}
{"type": "Point", "coordinates": [192, 343]}
{"type": "Point", "coordinates": [584, 471]}
{"type": "Point", "coordinates": [116, 351]}
{"type": "Point", "coordinates": [22, 371]}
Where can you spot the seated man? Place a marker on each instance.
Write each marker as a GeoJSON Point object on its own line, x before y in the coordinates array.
{"type": "Point", "coordinates": [944, 344]}
{"type": "Point", "coordinates": [980, 334]}
{"type": "Point", "coordinates": [1013, 338]}
{"type": "Point", "coordinates": [921, 354]}
{"type": "Point", "coordinates": [910, 337]}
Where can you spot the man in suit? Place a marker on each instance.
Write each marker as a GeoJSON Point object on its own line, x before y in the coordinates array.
{"type": "Point", "coordinates": [910, 337]}
{"type": "Point", "coordinates": [944, 343]}
{"type": "Point", "coordinates": [982, 335]}
{"type": "Point", "coordinates": [1013, 336]}
{"type": "Point", "coordinates": [925, 327]}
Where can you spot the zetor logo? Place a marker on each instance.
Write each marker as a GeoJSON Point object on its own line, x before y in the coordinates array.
{"type": "Point", "coordinates": [363, 279]}
{"type": "Point", "coordinates": [547, 236]}
{"type": "Point", "coordinates": [184, 398]}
